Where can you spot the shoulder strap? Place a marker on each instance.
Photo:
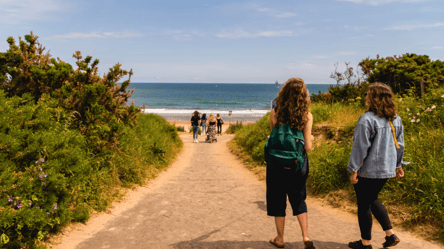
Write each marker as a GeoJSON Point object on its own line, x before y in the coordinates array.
{"type": "Point", "coordinates": [394, 135]}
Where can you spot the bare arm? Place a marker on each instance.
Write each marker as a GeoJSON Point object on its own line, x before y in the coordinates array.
{"type": "Point", "coordinates": [308, 137]}
{"type": "Point", "coordinates": [272, 120]}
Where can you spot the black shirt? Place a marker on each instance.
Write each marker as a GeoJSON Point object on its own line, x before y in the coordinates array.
{"type": "Point", "coordinates": [195, 121]}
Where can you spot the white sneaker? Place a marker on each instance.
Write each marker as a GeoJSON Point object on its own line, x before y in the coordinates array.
{"type": "Point", "coordinates": [197, 141]}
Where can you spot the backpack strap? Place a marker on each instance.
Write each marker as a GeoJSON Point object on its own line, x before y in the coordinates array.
{"type": "Point", "coordinates": [394, 135]}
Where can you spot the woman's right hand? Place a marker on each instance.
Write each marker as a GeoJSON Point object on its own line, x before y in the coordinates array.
{"type": "Point", "coordinates": [354, 177]}
{"type": "Point", "coordinates": [399, 172]}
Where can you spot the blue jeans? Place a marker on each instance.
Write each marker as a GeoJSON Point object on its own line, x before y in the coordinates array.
{"type": "Point", "coordinates": [195, 131]}
{"type": "Point", "coordinates": [204, 128]}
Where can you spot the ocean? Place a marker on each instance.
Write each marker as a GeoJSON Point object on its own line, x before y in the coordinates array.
{"type": "Point", "coordinates": [208, 96]}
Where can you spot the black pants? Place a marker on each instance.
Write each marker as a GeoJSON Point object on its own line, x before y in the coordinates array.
{"type": "Point", "coordinates": [367, 191]}
{"type": "Point", "coordinates": [219, 128]}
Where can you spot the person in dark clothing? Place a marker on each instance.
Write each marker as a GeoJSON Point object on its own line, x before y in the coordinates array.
{"type": "Point", "coordinates": [203, 123]}
{"type": "Point", "coordinates": [291, 108]}
{"type": "Point", "coordinates": [219, 124]}
{"type": "Point", "coordinates": [195, 120]}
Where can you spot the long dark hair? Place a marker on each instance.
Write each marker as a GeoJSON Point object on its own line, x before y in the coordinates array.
{"type": "Point", "coordinates": [292, 104]}
{"type": "Point", "coordinates": [380, 101]}
{"type": "Point", "coordinates": [204, 116]}
{"type": "Point", "coordinates": [196, 114]}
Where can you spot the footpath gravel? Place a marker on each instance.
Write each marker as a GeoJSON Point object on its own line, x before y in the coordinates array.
{"type": "Point", "coordinates": [208, 199]}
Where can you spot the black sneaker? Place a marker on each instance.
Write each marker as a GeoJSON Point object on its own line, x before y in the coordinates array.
{"type": "Point", "coordinates": [391, 240]}
{"type": "Point", "coordinates": [358, 245]}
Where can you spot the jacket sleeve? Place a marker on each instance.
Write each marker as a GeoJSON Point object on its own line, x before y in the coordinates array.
{"type": "Point", "coordinates": [400, 151]}
{"type": "Point", "coordinates": [361, 144]}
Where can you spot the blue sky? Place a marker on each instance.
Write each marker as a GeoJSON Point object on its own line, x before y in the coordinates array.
{"type": "Point", "coordinates": [228, 41]}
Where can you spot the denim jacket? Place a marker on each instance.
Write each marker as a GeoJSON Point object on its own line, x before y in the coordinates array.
{"type": "Point", "coordinates": [374, 154]}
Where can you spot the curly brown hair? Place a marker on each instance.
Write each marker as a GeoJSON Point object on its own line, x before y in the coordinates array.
{"type": "Point", "coordinates": [195, 114]}
{"type": "Point", "coordinates": [380, 101]}
{"type": "Point", "coordinates": [292, 104]}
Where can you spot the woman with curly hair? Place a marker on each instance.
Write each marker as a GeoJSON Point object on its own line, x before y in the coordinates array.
{"type": "Point", "coordinates": [291, 108]}
{"type": "Point", "coordinates": [378, 148]}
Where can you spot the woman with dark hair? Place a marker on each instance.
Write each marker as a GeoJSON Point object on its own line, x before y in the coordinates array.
{"type": "Point", "coordinates": [291, 108]}
{"type": "Point", "coordinates": [219, 124]}
{"type": "Point", "coordinates": [203, 123]}
{"type": "Point", "coordinates": [195, 123]}
{"type": "Point", "coordinates": [378, 148]}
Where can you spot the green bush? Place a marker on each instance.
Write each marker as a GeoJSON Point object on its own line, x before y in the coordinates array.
{"type": "Point", "coordinates": [233, 128]}
{"type": "Point", "coordinates": [49, 177]}
{"type": "Point", "coordinates": [180, 128]}
{"type": "Point", "coordinates": [199, 132]}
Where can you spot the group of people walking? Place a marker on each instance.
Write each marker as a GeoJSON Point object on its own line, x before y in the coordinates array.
{"type": "Point", "coordinates": [213, 123]}
{"type": "Point", "coordinates": [376, 156]}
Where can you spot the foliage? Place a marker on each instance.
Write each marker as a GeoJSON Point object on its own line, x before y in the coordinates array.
{"type": "Point", "coordinates": [404, 72]}
{"type": "Point", "coordinates": [98, 104]}
{"type": "Point", "coordinates": [233, 128]}
{"type": "Point", "coordinates": [180, 128]}
{"type": "Point", "coordinates": [252, 138]}
{"type": "Point", "coordinates": [49, 177]}
{"type": "Point", "coordinates": [199, 132]}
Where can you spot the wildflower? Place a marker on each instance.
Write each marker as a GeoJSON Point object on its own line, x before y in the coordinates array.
{"type": "Point", "coordinates": [40, 168]}
{"type": "Point", "coordinates": [408, 109]}
{"type": "Point", "coordinates": [47, 213]}
{"type": "Point", "coordinates": [417, 121]}
{"type": "Point", "coordinates": [400, 100]}
{"type": "Point", "coordinates": [433, 106]}
{"type": "Point", "coordinates": [19, 206]}
{"type": "Point", "coordinates": [36, 161]}
{"type": "Point", "coordinates": [410, 113]}
{"type": "Point", "coordinates": [30, 179]}
{"type": "Point", "coordinates": [41, 177]}
{"type": "Point", "coordinates": [414, 117]}
{"type": "Point", "coordinates": [417, 113]}
{"type": "Point", "coordinates": [44, 183]}
{"type": "Point", "coordinates": [45, 175]}
{"type": "Point", "coordinates": [434, 116]}
{"type": "Point", "coordinates": [9, 199]}
{"type": "Point", "coordinates": [428, 109]}
{"type": "Point", "coordinates": [37, 206]}
{"type": "Point", "coordinates": [30, 203]}
{"type": "Point", "coordinates": [442, 96]}
{"type": "Point", "coordinates": [42, 160]}
{"type": "Point", "coordinates": [15, 203]}
{"type": "Point", "coordinates": [54, 206]}
{"type": "Point", "coordinates": [413, 121]}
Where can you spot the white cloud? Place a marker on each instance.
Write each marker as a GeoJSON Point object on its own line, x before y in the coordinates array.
{"type": "Point", "coordinates": [183, 35]}
{"type": "Point", "coordinates": [14, 11]}
{"type": "Point", "coordinates": [320, 56]}
{"type": "Point", "coordinates": [417, 26]}
{"type": "Point", "coordinates": [240, 33]}
{"type": "Point", "coordinates": [79, 35]}
{"type": "Point", "coordinates": [438, 47]}
{"type": "Point", "coordinates": [346, 53]}
{"type": "Point", "coordinates": [381, 2]}
{"type": "Point", "coordinates": [275, 13]}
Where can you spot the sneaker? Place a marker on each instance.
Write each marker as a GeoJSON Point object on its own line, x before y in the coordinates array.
{"type": "Point", "coordinates": [309, 245]}
{"type": "Point", "coordinates": [197, 141]}
{"type": "Point", "coordinates": [391, 240]}
{"type": "Point", "coordinates": [358, 245]}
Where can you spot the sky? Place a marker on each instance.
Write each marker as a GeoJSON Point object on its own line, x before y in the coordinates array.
{"type": "Point", "coordinates": [228, 41]}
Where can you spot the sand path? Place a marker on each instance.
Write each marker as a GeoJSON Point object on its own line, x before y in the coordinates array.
{"type": "Point", "coordinates": [208, 199]}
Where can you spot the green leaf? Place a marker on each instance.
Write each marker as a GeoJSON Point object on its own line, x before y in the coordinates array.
{"type": "Point", "coordinates": [4, 239]}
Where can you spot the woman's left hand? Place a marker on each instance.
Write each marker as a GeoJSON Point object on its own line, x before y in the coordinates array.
{"type": "Point", "coordinates": [399, 172]}
{"type": "Point", "coordinates": [354, 177]}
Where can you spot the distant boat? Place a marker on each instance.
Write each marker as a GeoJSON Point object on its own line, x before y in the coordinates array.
{"type": "Point", "coordinates": [276, 82]}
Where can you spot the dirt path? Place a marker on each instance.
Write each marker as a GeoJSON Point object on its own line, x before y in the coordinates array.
{"type": "Point", "coordinates": [208, 199]}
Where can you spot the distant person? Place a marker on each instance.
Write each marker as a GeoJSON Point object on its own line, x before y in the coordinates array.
{"type": "Point", "coordinates": [378, 148]}
{"type": "Point", "coordinates": [281, 181]}
{"type": "Point", "coordinates": [219, 124]}
{"type": "Point", "coordinates": [195, 123]}
{"type": "Point", "coordinates": [203, 123]}
{"type": "Point", "coordinates": [211, 128]}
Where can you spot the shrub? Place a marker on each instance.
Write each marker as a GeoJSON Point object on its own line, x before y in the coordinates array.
{"type": "Point", "coordinates": [180, 128]}
{"type": "Point", "coordinates": [233, 128]}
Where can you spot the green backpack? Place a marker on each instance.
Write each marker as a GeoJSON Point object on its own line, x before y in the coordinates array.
{"type": "Point", "coordinates": [284, 148]}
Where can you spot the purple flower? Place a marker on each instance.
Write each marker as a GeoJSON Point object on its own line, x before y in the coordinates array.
{"type": "Point", "coordinates": [30, 203]}
{"type": "Point", "coordinates": [9, 198]}
{"type": "Point", "coordinates": [36, 161]}
{"type": "Point", "coordinates": [41, 177]}
{"type": "Point", "coordinates": [47, 213]}
{"type": "Point", "coordinates": [19, 206]}
{"type": "Point", "coordinates": [42, 160]}
{"type": "Point", "coordinates": [55, 206]}
{"type": "Point", "coordinates": [40, 168]}
{"type": "Point", "coordinates": [15, 203]}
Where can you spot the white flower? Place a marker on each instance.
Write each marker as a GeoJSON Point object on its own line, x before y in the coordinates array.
{"type": "Point", "coordinates": [408, 109]}
{"type": "Point", "coordinates": [433, 106]}
{"type": "Point", "coordinates": [428, 109]}
{"type": "Point", "coordinates": [400, 100]}
{"type": "Point", "coordinates": [410, 114]}
{"type": "Point", "coordinates": [413, 121]}
{"type": "Point", "coordinates": [414, 117]}
{"type": "Point", "coordinates": [442, 96]}
{"type": "Point", "coordinates": [417, 121]}
{"type": "Point", "coordinates": [417, 113]}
